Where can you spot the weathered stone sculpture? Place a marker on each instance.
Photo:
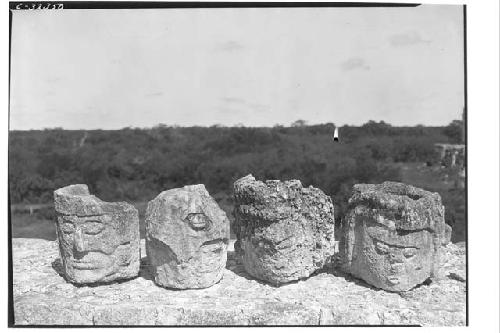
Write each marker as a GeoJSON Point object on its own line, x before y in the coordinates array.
{"type": "Point", "coordinates": [98, 241]}
{"type": "Point", "coordinates": [284, 232]}
{"type": "Point", "coordinates": [186, 238]}
{"type": "Point", "coordinates": [392, 234]}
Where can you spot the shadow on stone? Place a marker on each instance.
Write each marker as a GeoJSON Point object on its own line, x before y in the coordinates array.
{"type": "Point", "coordinates": [455, 276]}
{"type": "Point", "coordinates": [338, 273]}
{"type": "Point", "coordinates": [236, 267]}
{"type": "Point", "coordinates": [145, 270]}
{"type": "Point", "coordinates": [58, 267]}
{"type": "Point", "coordinates": [427, 282]}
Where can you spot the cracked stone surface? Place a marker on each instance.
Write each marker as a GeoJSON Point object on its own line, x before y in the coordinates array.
{"type": "Point", "coordinates": [392, 235]}
{"type": "Point", "coordinates": [186, 238]}
{"type": "Point", "coordinates": [43, 297]}
{"type": "Point", "coordinates": [285, 231]}
{"type": "Point", "coordinates": [98, 240]}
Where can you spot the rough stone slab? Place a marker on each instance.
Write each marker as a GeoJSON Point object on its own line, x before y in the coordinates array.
{"type": "Point", "coordinates": [43, 297]}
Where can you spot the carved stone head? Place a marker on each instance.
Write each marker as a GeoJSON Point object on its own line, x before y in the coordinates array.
{"type": "Point", "coordinates": [98, 241]}
{"type": "Point", "coordinates": [186, 238]}
{"type": "Point", "coordinates": [284, 231]}
{"type": "Point", "coordinates": [392, 235]}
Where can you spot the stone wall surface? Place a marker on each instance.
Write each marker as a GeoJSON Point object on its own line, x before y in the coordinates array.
{"type": "Point", "coordinates": [43, 297]}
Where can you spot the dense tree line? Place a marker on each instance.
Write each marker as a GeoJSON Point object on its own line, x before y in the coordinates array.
{"type": "Point", "coordinates": [136, 164]}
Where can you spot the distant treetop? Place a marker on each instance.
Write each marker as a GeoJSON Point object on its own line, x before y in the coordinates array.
{"type": "Point", "coordinates": [299, 123]}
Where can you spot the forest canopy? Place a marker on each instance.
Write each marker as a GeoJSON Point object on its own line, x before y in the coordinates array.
{"type": "Point", "coordinates": [134, 164]}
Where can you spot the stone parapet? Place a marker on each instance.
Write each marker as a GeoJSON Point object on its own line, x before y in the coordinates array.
{"type": "Point", "coordinates": [43, 297]}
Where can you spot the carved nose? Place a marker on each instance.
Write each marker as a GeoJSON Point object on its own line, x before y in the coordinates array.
{"type": "Point", "coordinates": [193, 205]}
{"type": "Point", "coordinates": [78, 241]}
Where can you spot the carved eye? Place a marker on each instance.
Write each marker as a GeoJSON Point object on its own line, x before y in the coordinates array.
{"type": "Point", "coordinates": [382, 248]}
{"type": "Point", "coordinates": [92, 227]}
{"type": "Point", "coordinates": [198, 221]}
{"type": "Point", "coordinates": [409, 252]}
{"type": "Point", "coordinates": [67, 228]}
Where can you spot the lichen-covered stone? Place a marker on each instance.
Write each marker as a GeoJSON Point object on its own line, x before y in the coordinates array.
{"type": "Point", "coordinates": [392, 234]}
{"type": "Point", "coordinates": [42, 297]}
{"type": "Point", "coordinates": [285, 232]}
{"type": "Point", "coordinates": [186, 238]}
{"type": "Point", "coordinates": [98, 241]}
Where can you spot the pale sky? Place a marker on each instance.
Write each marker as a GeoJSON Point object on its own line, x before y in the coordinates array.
{"type": "Point", "coordinates": [109, 69]}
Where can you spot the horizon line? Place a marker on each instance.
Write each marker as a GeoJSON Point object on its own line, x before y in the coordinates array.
{"type": "Point", "coordinates": [163, 125]}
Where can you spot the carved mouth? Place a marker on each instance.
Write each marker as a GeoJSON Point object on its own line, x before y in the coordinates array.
{"type": "Point", "coordinates": [215, 245]}
{"type": "Point", "coordinates": [393, 279]}
{"type": "Point", "coordinates": [198, 221]}
{"type": "Point", "coordinates": [84, 265]}
{"type": "Point", "coordinates": [92, 260]}
{"type": "Point", "coordinates": [216, 248]}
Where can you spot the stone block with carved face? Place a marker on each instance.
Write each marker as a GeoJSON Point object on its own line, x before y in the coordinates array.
{"type": "Point", "coordinates": [285, 232]}
{"type": "Point", "coordinates": [392, 234]}
{"type": "Point", "coordinates": [187, 234]}
{"type": "Point", "coordinates": [98, 240]}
